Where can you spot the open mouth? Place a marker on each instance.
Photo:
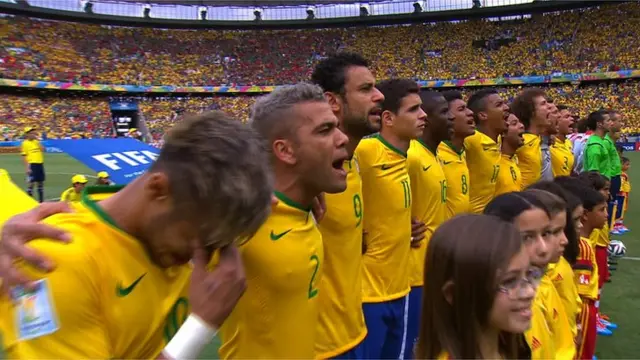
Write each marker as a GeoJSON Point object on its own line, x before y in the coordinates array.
{"type": "Point", "coordinates": [377, 112]}
{"type": "Point", "coordinates": [338, 166]}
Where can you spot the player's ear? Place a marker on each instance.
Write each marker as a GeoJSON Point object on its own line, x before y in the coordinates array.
{"type": "Point", "coordinates": [157, 186]}
{"type": "Point", "coordinates": [387, 118]}
{"type": "Point", "coordinates": [334, 101]}
{"type": "Point", "coordinates": [284, 151]}
{"type": "Point", "coordinates": [447, 291]}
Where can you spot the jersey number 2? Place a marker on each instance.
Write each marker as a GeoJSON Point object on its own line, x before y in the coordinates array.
{"type": "Point", "coordinates": [313, 291]}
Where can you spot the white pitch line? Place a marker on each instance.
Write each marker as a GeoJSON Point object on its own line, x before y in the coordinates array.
{"type": "Point", "coordinates": [630, 258]}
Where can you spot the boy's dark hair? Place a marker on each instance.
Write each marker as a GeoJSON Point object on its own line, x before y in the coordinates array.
{"type": "Point", "coordinates": [331, 73]}
{"type": "Point", "coordinates": [394, 90]}
{"type": "Point", "coordinates": [624, 160]}
{"type": "Point", "coordinates": [477, 102]}
{"type": "Point", "coordinates": [592, 198]}
{"type": "Point", "coordinates": [593, 179]}
{"type": "Point", "coordinates": [589, 196]}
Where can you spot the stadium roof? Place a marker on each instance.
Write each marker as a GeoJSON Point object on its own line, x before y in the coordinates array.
{"type": "Point", "coordinates": [247, 2]}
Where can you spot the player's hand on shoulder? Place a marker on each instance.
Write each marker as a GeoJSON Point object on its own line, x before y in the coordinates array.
{"type": "Point", "coordinates": [214, 294]}
{"type": "Point", "coordinates": [21, 229]}
{"type": "Point", "coordinates": [418, 229]}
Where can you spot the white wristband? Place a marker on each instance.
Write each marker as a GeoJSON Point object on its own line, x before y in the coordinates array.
{"type": "Point", "coordinates": [190, 339]}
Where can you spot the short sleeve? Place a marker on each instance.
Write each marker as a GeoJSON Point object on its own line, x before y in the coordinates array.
{"type": "Point", "coordinates": [23, 148]}
{"type": "Point", "coordinates": [62, 319]}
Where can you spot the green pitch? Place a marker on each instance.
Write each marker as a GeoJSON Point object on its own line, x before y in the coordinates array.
{"type": "Point", "coordinates": [619, 301]}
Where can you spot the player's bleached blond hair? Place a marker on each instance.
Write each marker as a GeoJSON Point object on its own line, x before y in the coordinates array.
{"type": "Point", "coordinates": [219, 176]}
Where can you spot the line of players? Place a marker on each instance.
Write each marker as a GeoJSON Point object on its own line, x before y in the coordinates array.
{"type": "Point", "coordinates": [401, 163]}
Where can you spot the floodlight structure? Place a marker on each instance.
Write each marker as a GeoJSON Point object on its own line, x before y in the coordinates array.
{"type": "Point", "coordinates": [257, 12]}
{"type": "Point", "coordinates": [146, 11]}
{"type": "Point", "coordinates": [364, 10]}
{"type": "Point", "coordinates": [311, 13]}
{"type": "Point", "coordinates": [476, 4]}
{"type": "Point", "coordinates": [202, 10]}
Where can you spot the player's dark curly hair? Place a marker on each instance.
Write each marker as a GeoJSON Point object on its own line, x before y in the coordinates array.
{"type": "Point", "coordinates": [331, 73]}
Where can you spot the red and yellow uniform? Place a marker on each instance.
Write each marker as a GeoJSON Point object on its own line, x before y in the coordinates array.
{"type": "Point", "coordinates": [483, 161]}
{"type": "Point", "coordinates": [387, 207]}
{"type": "Point", "coordinates": [530, 159]}
{"type": "Point", "coordinates": [599, 239]}
{"type": "Point", "coordinates": [563, 280]}
{"type": "Point", "coordinates": [341, 323]}
{"type": "Point", "coordinates": [562, 158]}
{"type": "Point", "coordinates": [429, 194]}
{"type": "Point", "coordinates": [625, 189]}
{"type": "Point", "coordinates": [550, 336]}
{"type": "Point", "coordinates": [103, 278]}
{"type": "Point", "coordinates": [454, 165]}
{"type": "Point", "coordinates": [509, 178]}
{"type": "Point", "coordinates": [586, 279]}
{"type": "Point", "coordinates": [277, 316]}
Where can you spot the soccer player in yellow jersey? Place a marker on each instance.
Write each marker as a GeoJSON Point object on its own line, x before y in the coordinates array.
{"type": "Point", "coordinates": [452, 155]}
{"type": "Point", "coordinates": [533, 109]}
{"type": "Point", "coordinates": [72, 194]}
{"type": "Point", "coordinates": [428, 196]}
{"type": "Point", "coordinates": [33, 155]}
{"type": "Point", "coordinates": [277, 317]}
{"type": "Point", "coordinates": [123, 286]}
{"type": "Point", "coordinates": [349, 87]}
{"type": "Point", "coordinates": [509, 178]}
{"type": "Point", "coordinates": [482, 149]}
{"type": "Point", "coordinates": [387, 219]}
{"type": "Point", "coordinates": [562, 149]}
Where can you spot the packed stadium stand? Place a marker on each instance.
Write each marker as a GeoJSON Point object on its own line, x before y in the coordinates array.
{"type": "Point", "coordinates": [561, 42]}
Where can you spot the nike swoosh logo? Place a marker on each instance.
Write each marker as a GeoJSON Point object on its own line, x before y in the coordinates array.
{"type": "Point", "coordinates": [122, 291]}
{"type": "Point", "coordinates": [276, 237]}
{"type": "Point", "coordinates": [385, 167]}
{"type": "Point", "coordinates": [426, 168]}
{"type": "Point", "coordinates": [446, 162]}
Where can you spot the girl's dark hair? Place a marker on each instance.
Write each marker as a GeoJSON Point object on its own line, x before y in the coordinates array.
{"type": "Point", "coordinates": [510, 205]}
{"type": "Point", "coordinates": [453, 325]}
{"type": "Point", "coordinates": [593, 179]}
{"type": "Point", "coordinates": [572, 202]}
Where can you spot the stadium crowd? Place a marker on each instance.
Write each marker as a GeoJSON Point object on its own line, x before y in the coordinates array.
{"type": "Point", "coordinates": [561, 42]}
{"type": "Point", "coordinates": [78, 117]}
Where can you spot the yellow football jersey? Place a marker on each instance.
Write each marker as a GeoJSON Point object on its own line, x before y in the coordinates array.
{"type": "Point", "coordinates": [277, 316]}
{"type": "Point", "coordinates": [561, 157]}
{"type": "Point", "coordinates": [105, 299]}
{"type": "Point", "coordinates": [70, 195]}
{"type": "Point", "coordinates": [429, 205]}
{"type": "Point", "coordinates": [454, 165]}
{"type": "Point", "coordinates": [387, 207]}
{"type": "Point", "coordinates": [563, 280]}
{"type": "Point", "coordinates": [483, 160]}
{"type": "Point", "coordinates": [539, 335]}
{"type": "Point", "coordinates": [600, 237]}
{"type": "Point", "coordinates": [530, 159]}
{"type": "Point", "coordinates": [509, 179]}
{"type": "Point", "coordinates": [586, 271]}
{"type": "Point", "coordinates": [341, 322]}
{"type": "Point", "coordinates": [33, 151]}
{"type": "Point", "coordinates": [557, 320]}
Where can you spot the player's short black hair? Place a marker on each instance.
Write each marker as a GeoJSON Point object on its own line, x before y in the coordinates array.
{"type": "Point", "coordinates": [581, 126]}
{"type": "Point", "coordinates": [394, 90]}
{"type": "Point", "coordinates": [593, 179]}
{"type": "Point", "coordinates": [477, 101]}
{"type": "Point", "coordinates": [592, 198]}
{"type": "Point", "coordinates": [451, 95]}
{"type": "Point", "coordinates": [429, 99]}
{"type": "Point", "coordinates": [594, 119]}
{"type": "Point", "coordinates": [331, 73]}
{"type": "Point", "coordinates": [562, 107]}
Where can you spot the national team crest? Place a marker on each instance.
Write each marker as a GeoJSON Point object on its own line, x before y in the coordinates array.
{"type": "Point", "coordinates": [34, 311]}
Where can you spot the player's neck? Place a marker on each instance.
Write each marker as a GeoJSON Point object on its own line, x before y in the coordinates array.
{"type": "Point", "coordinates": [289, 185]}
{"type": "Point", "coordinates": [118, 207]}
{"type": "Point", "coordinates": [430, 142]}
{"type": "Point", "coordinates": [601, 132]}
{"type": "Point", "coordinates": [507, 149]}
{"type": "Point", "coordinates": [457, 142]}
{"type": "Point", "coordinates": [489, 132]}
{"type": "Point", "coordinates": [395, 141]}
{"type": "Point", "coordinates": [352, 144]}
{"type": "Point", "coordinates": [586, 231]}
{"type": "Point", "coordinates": [562, 137]}
{"type": "Point", "coordinates": [536, 128]}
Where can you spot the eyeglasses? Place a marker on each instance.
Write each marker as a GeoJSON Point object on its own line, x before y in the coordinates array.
{"type": "Point", "coordinates": [514, 288]}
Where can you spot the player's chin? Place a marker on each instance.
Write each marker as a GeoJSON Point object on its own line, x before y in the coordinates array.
{"type": "Point", "coordinates": [337, 185]}
{"type": "Point", "coordinates": [519, 321]}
